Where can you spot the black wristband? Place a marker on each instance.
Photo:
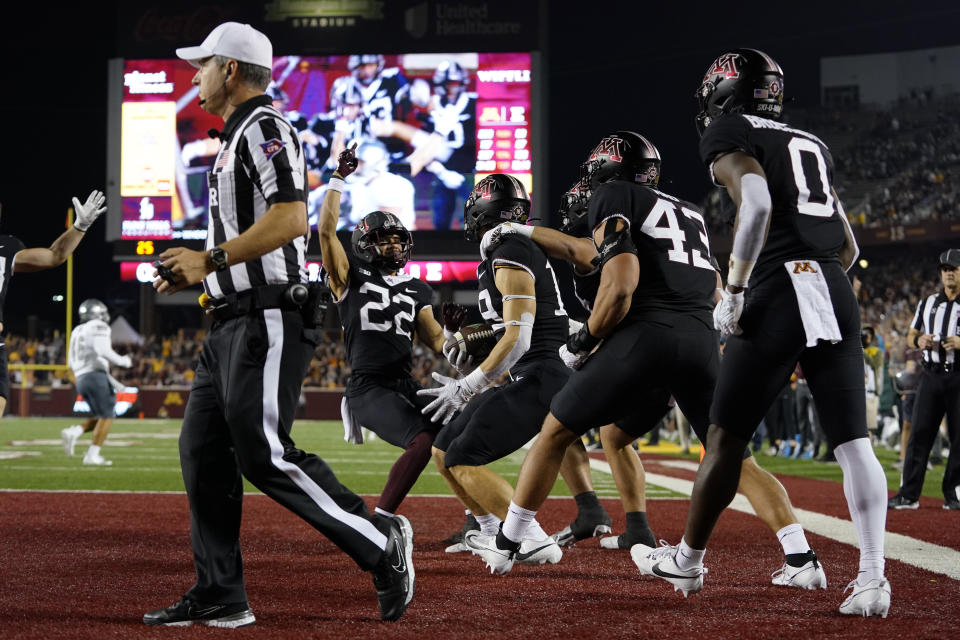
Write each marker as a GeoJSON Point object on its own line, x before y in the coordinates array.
{"type": "Point", "coordinates": [582, 341]}
{"type": "Point", "coordinates": [916, 341]}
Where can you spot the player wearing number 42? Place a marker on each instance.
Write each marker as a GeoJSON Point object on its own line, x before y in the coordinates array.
{"type": "Point", "coordinates": [381, 310]}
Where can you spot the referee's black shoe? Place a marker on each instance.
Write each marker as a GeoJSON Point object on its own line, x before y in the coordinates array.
{"type": "Point", "coordinates": [394, 576]}
{"type": "Point", "coordinates": [188, 612]}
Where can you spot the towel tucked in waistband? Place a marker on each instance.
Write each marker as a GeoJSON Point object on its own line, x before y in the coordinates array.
{"type": "Point", "coordinates": [813, 298]}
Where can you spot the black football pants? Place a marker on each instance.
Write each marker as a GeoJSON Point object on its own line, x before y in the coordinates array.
{"type": "Point", "coordinates": [237, 421]}
{"type": "Point", "coordinates": [937, 394]}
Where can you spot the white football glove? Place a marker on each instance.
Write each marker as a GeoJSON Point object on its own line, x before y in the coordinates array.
{"type": "Point", "coordinates": [88, 212]}
{"type": "Point", "coordinates": [449, 398]}
{"type": "Point", "coordinates": [127, 362]}
{"type": "Point", "coordinates": [450, 179]}
{"type": "Point", "coordinates": [726, 315]}
{"type": "Point", "coordinates": [459, 360]}
{"type": "Point", "coordinates": [493, 237]}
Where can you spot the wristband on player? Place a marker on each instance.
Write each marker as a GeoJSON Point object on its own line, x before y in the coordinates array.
{"type": "Point", "coordinates": [336, 183]}
{"type": "Point", "coordinates": [582, 341]}
{"type": "Point", "coordinates": [916, 341]}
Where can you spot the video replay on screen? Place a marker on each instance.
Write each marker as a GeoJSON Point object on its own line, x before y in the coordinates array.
{"type": "Point", "coordinates": [426, 127]}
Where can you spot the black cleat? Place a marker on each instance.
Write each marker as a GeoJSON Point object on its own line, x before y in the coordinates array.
{"type": "Point", "coordinates": [188, 612]}
{"type": "Point", "coordinates": [899, 502]}
{"type": "Point", "coordinates": [469, 524]}
{"type": "Point", "coordinates": [587, 525]}
{"type": "Point", "coordinates": [394, 576]}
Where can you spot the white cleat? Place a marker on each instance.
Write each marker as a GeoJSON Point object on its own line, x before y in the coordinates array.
{"type": "Point", "coordinates": [659, 562]}
{"type": "Point", "coordinates": [539, 551]}
{"type": "Point", "coordinates": [97, 461]}
{"type": "Point", "coordinates": [871, 599]}
{"type": "Point", "coordinates": [70, 435]}
{"type": "Point", "coordinates": [458, 547]}
{"type": "Point", "coordinates": [500, 561]}
{"type": "Point", "coordinates": [809, 576]}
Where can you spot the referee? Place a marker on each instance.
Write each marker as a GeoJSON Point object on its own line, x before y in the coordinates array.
{"type": "Point", "coordinates": [244, 396]}
{"type": "Point", "coordinates": [936, 331]}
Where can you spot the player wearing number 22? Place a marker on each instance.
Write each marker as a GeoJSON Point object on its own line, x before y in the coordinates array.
{"type": "Point", "coordinates": [787, 300]}
{"type": "Point", "coordinates": [381, 310]}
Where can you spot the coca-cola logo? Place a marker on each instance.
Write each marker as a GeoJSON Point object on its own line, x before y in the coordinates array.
{"type": "Point", "coordinates": [184, 29]}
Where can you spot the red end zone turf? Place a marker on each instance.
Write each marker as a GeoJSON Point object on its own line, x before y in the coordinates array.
{"type": "Point", "coordinates": [89, 565]}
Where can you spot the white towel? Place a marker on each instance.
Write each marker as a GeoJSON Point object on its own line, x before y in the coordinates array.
{"type": "Point", "coordinates": [813, 298]}
{"type": "Point", "coordinates": [352, 432]}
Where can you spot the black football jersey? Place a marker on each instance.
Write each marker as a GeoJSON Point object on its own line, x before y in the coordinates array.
{"type": "Point", "coordinates": [585, 287]}
{"type": "Point", "coordinates": [456, 121]}
{"type": "Point", "coordinates": [805, 221]}
{"type": "Point", "coordinates": [379, 318]}
{"type": "Point", "coordinates": [673, 250]}
{"type": "Point", "coordinates": [550, 322]}
{"type": "Point", "coordinates": [9, 247]}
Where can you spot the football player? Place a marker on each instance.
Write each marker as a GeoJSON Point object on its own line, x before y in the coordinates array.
{"type": "Point", "coordinates": [90, 359]}
{"type": "Point", "coordinates": [767, 496]}
{"type": "Point", "coordinates": [381, 310]}
{"type": "Point", "coordinates": [519, 298]}
{"type": "Point", "coordinates": [787, 300]}
{"type": "Point", "coordinates": [17, 258]}
{"type": "Point", "coordinates": [452, 115]}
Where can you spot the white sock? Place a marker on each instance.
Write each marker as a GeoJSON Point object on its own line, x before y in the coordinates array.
{"type": "Point", "coordinates": [489, 524]}
{"type": "Point", "coordinates": [792, 539]}
{"type": "Point", "coordinates": [865, 487]}
{"type": "Point", "coordinates": [93, 451]}
{"type": "Point", "coordinates": [687, 557]}
{"type": "Point", "coordinates": [535, 531]}
{"type": "Point", "coordinates": [518, 519]}
{"type": "Point", "coordinates": [383, 512]}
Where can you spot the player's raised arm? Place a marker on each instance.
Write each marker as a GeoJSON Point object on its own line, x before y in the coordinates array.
{"type": "Point", "coordinates": [334, 256]}
{"type": "Point", "coordinates": [578, 251]}
{"type": "Point", "coordinates": [39, 258]}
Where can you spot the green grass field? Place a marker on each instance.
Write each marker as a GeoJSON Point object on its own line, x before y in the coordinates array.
{"type": "Point", "coordinates": [144, 455]}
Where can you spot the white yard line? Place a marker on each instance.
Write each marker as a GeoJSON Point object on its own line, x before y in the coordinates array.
{"type": "Point", "coordinates": [917, 553]}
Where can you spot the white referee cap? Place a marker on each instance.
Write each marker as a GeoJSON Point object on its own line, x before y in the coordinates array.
{"type": "Point", "coordinates": [232, 40]}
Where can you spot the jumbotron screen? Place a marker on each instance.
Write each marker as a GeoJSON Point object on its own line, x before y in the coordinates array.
{"type": "Point", "coordinates": [427, 128]}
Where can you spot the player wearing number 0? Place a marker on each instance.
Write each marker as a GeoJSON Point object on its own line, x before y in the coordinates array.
{"type": "Point", "coordinates": [787, 300]}
{"type": "Point", "coordinates": [520, 300]}
{"type": "Point", "coordinates": [381, 310]}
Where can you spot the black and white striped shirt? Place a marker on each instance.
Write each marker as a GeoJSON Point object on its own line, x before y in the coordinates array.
{"type": "Point", "coordinates": [938, 316]}
{"type": "Point", "coordinates": [259, 164]}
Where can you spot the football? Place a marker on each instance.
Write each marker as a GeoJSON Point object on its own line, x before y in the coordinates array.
{"type": "Point", "coordinates": [476, 340]}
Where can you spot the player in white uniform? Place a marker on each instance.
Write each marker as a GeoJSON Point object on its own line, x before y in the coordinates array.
{"type": "Point", "coordinates": [90, 359]}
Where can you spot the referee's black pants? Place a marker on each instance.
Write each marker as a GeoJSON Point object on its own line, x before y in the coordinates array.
{"type": "Point", "coordinates": [237, 421]}
{"type": "Point", "coordinates": [937, 394]}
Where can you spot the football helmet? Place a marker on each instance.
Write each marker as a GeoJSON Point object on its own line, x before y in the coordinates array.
{"type": "Point", "coordinates": [371, 231]}
{"type": "Point", "coordinates": [623, 155]}
{"type": "Point", "coordinates": [497, 198]}
{"type": "Point", "coordinates": [573, 207]}
{"type": "Point", "coordinates": [450, 79]}
{"type": "Point", "coordinates": [356, 61]}
{"type": "Point", "coordinates": [93, 309]}
{"type": "Point", "coordinates": [740, 81]}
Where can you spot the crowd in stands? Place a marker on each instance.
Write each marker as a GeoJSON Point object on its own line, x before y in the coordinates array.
{"type": "Point", "coordinates": [893, 166]}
